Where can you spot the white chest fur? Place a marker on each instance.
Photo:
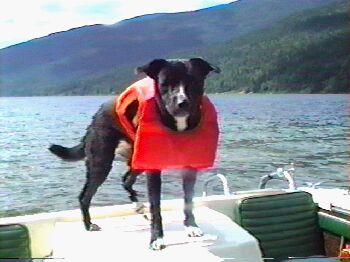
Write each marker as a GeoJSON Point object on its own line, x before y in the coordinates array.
{"type": "Point", "coordinates": [181, 123]}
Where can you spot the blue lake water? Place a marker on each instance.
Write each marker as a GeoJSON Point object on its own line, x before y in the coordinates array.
{"type": "Point", "coordinates": [258, 134]}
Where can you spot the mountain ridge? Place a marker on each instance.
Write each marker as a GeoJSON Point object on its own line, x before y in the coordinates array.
{"type": "Point", "coordinates": [304, 53]}
{"type": "Point", "coordinates": [60, 58]}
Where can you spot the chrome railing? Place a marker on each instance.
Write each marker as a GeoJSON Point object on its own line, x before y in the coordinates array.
{"type": "Point", "coordinates": [280, 174]}
{"type": "Point", "coordinates": [222, 178]}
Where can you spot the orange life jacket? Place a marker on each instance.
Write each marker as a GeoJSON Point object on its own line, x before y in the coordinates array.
{"type": "Point", "coordinates": [158, 147]}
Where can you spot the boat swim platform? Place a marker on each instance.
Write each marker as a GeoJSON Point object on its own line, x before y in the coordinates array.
{"type": "Point", "coordinates": [127, 238]}
{"type": "Point", "coordinates": [125, 235]}
{"type": "Point", "coordinates": [61, 235]}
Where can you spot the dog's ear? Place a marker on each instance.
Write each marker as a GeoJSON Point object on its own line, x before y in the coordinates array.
{"type": "Point", "coordinates": [201, 67]}
{"type": "Point", "coordinates": [152, 69]}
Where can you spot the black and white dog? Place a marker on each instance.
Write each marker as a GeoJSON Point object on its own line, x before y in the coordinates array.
{"type": "Point", "coordinates": [180, 86]}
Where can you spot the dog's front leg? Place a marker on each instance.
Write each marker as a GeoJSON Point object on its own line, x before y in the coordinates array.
{"type": "Point", "coordinates": [189, 179]}
{"type": "Point", "coordinates": [154, 189]}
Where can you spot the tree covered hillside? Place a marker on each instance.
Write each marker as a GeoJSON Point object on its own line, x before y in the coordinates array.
{"type": "Point", "coordinates": [47, 64]}
{"type": "Point", "coordinates": [306, 53]}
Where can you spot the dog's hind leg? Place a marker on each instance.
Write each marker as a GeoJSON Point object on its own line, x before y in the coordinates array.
{"type": "Point", "coordinates": [188, 180]}
{"type": "Point", "coordinates": [129, 180]}
{"type": "Point", "coordinates": [154, 188]}
{"type": "Point", "coordinates": [89, 190]}
{"type": "Point", "coordinates": [100, 156]}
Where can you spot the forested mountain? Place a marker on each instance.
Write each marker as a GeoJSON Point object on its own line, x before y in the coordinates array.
{"type": "Point", "coordinates": [260, 45]}
{"type": "Point", "coordinates": [306, 53]}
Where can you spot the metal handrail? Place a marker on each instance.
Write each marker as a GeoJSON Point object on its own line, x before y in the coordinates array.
{"type": "Point", "coordinates": [341, 210]}
{"type": "Point", "coordinates": [223, 180]}
{"type": "Point", "coordinates": [280, 174]}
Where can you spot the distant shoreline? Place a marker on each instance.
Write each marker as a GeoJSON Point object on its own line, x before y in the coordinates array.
{"type": "Point", "coordinates": [216, 94]}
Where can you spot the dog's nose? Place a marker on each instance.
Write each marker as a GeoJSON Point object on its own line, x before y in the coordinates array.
{"type": "Point", "coordinates": [184, 105]}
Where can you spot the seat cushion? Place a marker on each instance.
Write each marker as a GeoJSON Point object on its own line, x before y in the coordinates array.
{"type": "Point", "coordinates": [286, 225]}
{"type": "Point", "coordinates": [14, 241]}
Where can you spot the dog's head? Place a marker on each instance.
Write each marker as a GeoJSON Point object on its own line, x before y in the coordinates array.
{"type": "Point", "coordinates": [180, 86]}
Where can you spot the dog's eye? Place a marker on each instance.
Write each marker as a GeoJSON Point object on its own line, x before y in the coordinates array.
{"type": "Point", "coordinates": [164, 82]}
{"type": "Point", "coordinates": [197, 87]}
{"type": "Point", "coordinates": [195, 91]}
{"type": "Point", "coordinates": [163, 89]}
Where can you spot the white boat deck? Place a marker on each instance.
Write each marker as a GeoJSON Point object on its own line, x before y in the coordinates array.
{"type": "Point", "coordinates": [126, 238]}
{"type": "Point", "coordinates": [327, 198]}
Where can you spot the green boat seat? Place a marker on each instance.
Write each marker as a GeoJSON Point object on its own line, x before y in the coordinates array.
{"type": "Point", "coordinates": [286, 225]}
{"type": "Point", "coordinates": [14, 241]}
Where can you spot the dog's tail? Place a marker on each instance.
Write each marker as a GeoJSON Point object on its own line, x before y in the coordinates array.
{"type": "Point", "coordinates": [69, 154]}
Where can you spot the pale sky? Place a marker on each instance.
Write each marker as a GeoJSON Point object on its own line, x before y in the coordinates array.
{"type": "Point", "coordinates": [22, 20]}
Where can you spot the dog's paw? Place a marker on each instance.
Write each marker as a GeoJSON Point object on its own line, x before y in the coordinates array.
{"type": "Point", "coordinates": [94, 227]}
{"type": "Point", "coordinates": [140, 208]}
{"type": "Point", "coordinates": [157, 244]}
{"type": "Point", "coordinates": [193, 231]}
